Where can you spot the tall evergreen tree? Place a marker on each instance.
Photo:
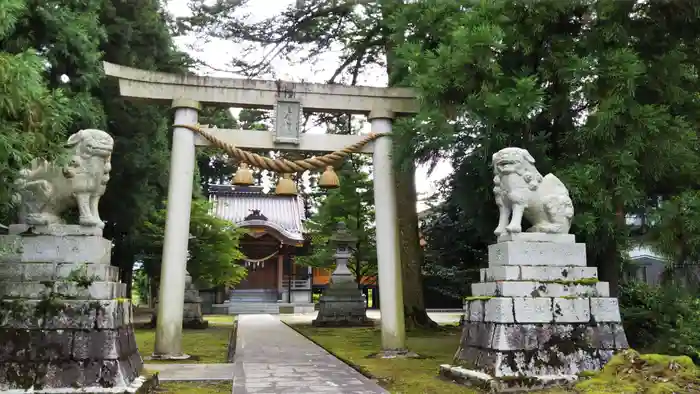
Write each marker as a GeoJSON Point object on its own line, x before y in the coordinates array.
{"type": "Point", "coordinates": [137, 36]}
{"type": "Point", "coordinates": [601, 92]}
{"type": "Point", "coordinates": [49, 64]}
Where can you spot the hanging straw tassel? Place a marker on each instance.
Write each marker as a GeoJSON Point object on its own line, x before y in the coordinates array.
{"type": "Point", "coordinates": [286, 186]}
{"type": "Point", "coordinates": [244, 176]}
{"type": "Point", "coordinates": [329, 179]}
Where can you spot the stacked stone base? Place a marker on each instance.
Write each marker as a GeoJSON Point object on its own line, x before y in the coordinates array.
{"type": "Point", "coordinates": [65, 326]}
{"type": "Point", "coordinates": [342, 305]}
{"type": "Point", "coordinates": [538, 317]}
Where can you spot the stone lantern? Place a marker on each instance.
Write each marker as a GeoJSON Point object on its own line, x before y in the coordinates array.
{"type": "Point", "coordinates": [342, 303]}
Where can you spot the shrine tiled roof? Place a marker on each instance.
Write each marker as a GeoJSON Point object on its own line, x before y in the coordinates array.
{"type": "Point", "coordinates": [249, 205]}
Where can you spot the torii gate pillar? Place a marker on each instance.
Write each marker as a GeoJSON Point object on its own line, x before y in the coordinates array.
{"type": "Point", "coordinates": [388, 256]}
{"type": "Point", "coordinates": [173, 268]}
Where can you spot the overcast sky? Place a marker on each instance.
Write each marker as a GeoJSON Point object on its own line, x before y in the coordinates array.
{"type": "Point", "coordinates": [218, 54]}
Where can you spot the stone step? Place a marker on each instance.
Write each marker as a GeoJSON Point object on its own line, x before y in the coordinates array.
{"type": "Point", "coordinates": [63, 290]}
{"type": "Point", "coordinates": [65, 314]}
{"type": "Point", "coordinates": [530, 337]}
{"type": "Point", "coordinates": [538, 273]}
{"type": "Point", "coordinates": [543, 310]}
{"type": "Point", "coordinates": [561, 288]}
{"type": "Point", "coordinates": [53, 249]}
{"type": "Point", "coordinates": [39, 272]}
{"type": "Point", "coordinates": [537, 253]}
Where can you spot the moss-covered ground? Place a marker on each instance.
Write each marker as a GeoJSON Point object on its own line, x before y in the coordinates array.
{"type": "Point", "coordinates": [195, 388]}
{"type": "Point", "coordinates": [207, 346]}
{"type": "Point", "coordinates": [626, 373]}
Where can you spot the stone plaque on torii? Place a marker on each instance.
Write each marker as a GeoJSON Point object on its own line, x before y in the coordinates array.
{"type": "Point", "coordinates": [188, 92]}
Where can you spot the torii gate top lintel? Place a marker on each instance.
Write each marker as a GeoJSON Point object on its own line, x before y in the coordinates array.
{"type": "Point", "coordinates": [261, 94]}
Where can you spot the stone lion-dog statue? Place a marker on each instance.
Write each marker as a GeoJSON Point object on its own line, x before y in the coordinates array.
{"type": "Point", "coordinates": [521, 190]}
{"type": "Point", "coordinates": [46, 190]}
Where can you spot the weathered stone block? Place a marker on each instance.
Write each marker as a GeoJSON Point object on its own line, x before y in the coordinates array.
{"type": "Point", "coordinates": [91, 272]}
{"type": "Point", "coordinates": [342, 303]}
{"type": "Point", "coordinates": [50, 345]}
{"type": "Point", "coordinates": [476, 311]}
{"type": "Point", "coordinates": [59, 230]}
{"type": "Point", "coordinates": [533, 310]}
{"type": "Point", "coordinates": [574, 310]}
{"type": "Point", "coordinates": [537, 237]}
{"type": "Point", "coordinates": [499, 310]}
{"type": "Point", "coordinates": [52, 249]}
{"type": "Point", "coordinates": [545, 273]}
{"type": "Point", "coordinates": [64, 290]}
{"type": "Point", "coordinates": [484, 289]}
{"type": "Point", "coordinates": [537, 253]}
{"type": "Point", "coordinates": [501, 272]}
{"type": "Point", "coordinates": [605, 310]}
{"type": "Point", "coordinates": [44, 272]}
{"type": "Point", "coordinates": [98, 345]}
{"type": "Point", "coordinates": [540, 289]}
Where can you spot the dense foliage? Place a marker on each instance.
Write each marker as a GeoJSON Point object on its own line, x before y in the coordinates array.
{"type": "Point", "coordinates": [353, 204]}
{"type": "Point", "coordinates": [602, 93]}
{"type": "Point", "coordinates": [49, 63]}
{"type": "Point", "coordinates": [661, 319]}
{"type": "Point", "coordinates": [213, 246]}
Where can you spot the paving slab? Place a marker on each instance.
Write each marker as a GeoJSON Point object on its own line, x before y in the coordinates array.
{"type": "Point", "coordinates": [272, 358]}
{"type": "Point", "coordinates": [192, 372]}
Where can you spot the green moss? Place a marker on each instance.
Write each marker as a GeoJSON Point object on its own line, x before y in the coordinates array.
{"type": "Point", "coordinates": [209, 345]}
{"type": "Point", "coordinates": [353, 345]}
{"type": "Point", "coordinates": [583, 281]}
{"type": "Point", "coordinates": [650, 374]}
{"type": "Point", "coordinates": [80, 277]}
{"type": "Point", "coordinates": [478, 298]}
{"type": "Point", "coordinates": [201, 387]}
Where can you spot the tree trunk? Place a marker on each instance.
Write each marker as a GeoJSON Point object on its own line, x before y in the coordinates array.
{"type": "Point", "coordinates": [609, 262]}
{"type": "Point", "coordinates": [124, 259]}
{"type": "Point", "coordinates": [609, 268]}
{"type": "Point", "coordinates": [410, 251]}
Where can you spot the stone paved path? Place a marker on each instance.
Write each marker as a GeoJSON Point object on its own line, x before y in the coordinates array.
{"type": "Point", "coordinates": [271, 358]}
{"type": "Point", "coordinates": [191, 372]}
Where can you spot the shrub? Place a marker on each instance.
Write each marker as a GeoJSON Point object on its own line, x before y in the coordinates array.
{"type": "Point", "coordinates": [661, 319]}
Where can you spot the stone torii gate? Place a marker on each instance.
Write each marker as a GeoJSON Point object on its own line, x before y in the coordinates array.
{"type": "Point", "coordinates": [187, 92]}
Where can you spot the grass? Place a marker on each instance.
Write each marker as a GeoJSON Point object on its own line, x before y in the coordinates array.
{"type": "Point", "coordinates": [627, 373]}
{"type": "Point", "coordinates": [209, 345]}
{"type": "Point", "coordinates": [400, 376]}
{"type": "Point", "coordinates": [205, 387]}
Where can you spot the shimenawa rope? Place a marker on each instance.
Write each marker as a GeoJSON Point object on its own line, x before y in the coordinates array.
{"type": "Point", "coordinates": [283, 165]}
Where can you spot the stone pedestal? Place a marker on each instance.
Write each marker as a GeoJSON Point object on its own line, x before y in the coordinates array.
{"type": "Point", "coordinates": [538, 316]}
{"type": "Point", "coordinates": [65, 324]}
{"type": "Point", "coordinates": [191, 308]}
{"type": "Point", "coordinates": [342, 304]}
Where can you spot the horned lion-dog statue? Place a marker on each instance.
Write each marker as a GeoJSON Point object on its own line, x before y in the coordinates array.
{"type": "Point", "coordinates": [46, 190]}
{"type": "Point", "coordinates": [521, 190]}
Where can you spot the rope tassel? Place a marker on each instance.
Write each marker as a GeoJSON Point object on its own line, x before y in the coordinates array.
{"type": "Point", "coordinates": [283, 165]}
